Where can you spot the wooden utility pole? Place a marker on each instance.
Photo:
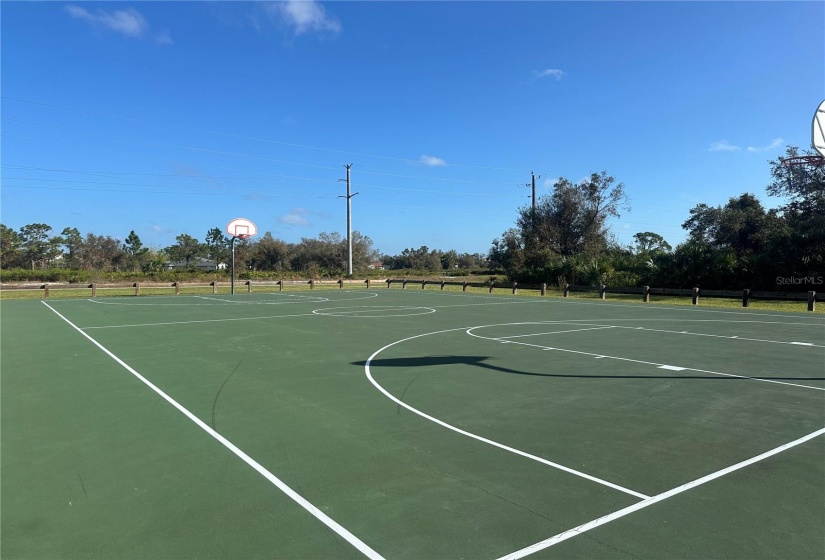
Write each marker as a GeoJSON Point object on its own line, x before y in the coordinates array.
{"type": "Point", "coordinates": [349, 220]}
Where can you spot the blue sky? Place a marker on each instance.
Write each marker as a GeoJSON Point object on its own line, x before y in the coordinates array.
{"type": "Point", "coordinates": [169, 118]}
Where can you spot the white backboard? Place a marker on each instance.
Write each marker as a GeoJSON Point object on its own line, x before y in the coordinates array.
{"type": "Point", "coordinates": [241, 227]}
{"type": "Point", "coordinates": [818, 130]}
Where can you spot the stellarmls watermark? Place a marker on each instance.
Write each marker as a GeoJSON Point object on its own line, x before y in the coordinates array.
{"type": "Point", "coordinates": [800, 280]}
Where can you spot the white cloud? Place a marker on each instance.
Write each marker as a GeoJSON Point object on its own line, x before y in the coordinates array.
{"type": "Point", "coordinates": [551, 182]}
{"type": "Point", "coordinates": [128, 22]}
{"type": "Point", "coordinates": [775, 143]}
{"type": "Point", "coordinates": [164, 38]}
{"type": "Point", "coordinates": [296, 217]}
{"type": "Point", "coordinates": [304, 16]}
{"type": "Point", "coordinates": [723, 146]}
{"type": "Point", "coordinates": [432, 161]}
{"type": "Point", "coordinates": [554, 73]}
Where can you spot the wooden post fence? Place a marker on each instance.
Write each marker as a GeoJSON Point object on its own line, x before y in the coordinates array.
{"type": "Point", "coordinates": [566, 290]}
{"type": "Point", "coordinates": [646, 294]}
{"type": "Point", "coordinates": [811, 301]}
{"type": "Point", "coordinates": [746, 296]}
{"type": "Point", "coordinates": [695, 299]}
{"type": "Point", "coordinates": [137, 288]}
{"type": "Point", "coordinates": [544, 288]}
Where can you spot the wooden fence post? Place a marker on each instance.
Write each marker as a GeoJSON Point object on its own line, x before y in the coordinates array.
{"type": "Point", "coordinates": [442, 285]}
{"type": "Point", "coordinates": [93, 286]}
{"type": "Point", "coordinates": [491, 286]}
{"type": "Point", "coordinates": [137, 288]}
{"type": "Point", "coordinates": [646, 294]}
{"type": "Point", "coordinates": [389, 281]}
{"type": "Point", "coordinates": [423, 283]}
{"type": "Point", "coordinates": [177, 288]}
{"type": "Point", "coordinates": [214, 287]}
{"type": "Point", "coordinates": [312, 284]}
{"type": "Point", "coordinates": [566, 290]}
{"type": "Point", "coordinates": [341, 284]}
{"type": "Point", "coordinates": [544, 288]}
{"type": "Point", "coordinates": [695, 300]}
{"type": "Point", "coordinates": [404, 284]}
{"type": "Point", "coordinates": [368, 283]}
{"type": "Point", "coordinates": [602, 291]}
{"type": "Point", "coordinates": [45, 288]}
{"type": "Point", "coordinates": [280, 285]}
{"type": "Point", "coordinates": [515, 288]}
{"type": "Point", "coordinates": [249, 286]}
{"type": "Point", "coordinates": [746, 295]}
{"type": "Point", "coordinates": [464, 288]}
{"type": "Point", "coordinates": [811, 301]}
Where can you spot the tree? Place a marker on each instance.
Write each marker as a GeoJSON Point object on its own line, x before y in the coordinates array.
{"type": "Point", "coordinates": [216, 246]}
{"type": "Point", "coordinates": [570, 221]}
{"type": "Point", "coordinates": [134, 250]}
{"type": "Point", "coordinates": [737, 229]}
{"type": "Point", "coordinates": [449, 259]}
{"type": "Point", "coordinates": [648, 242]}
{"type": "Point", "coordinates": [269, 253]}
{"type": "Point", "coordinates": [804, 213]}
{"type": "Point", "coordinates": [363, 253]}
{"type": "Point", "coordinates": [73, 242]}
{"type": "Point", "coordinates": [100, 252]}
{"type": "Point", "coordinates": [186, 249]}
{"type": "Point", "coordinates": [10, 246]}
{"type": "Point", "coordinates": [37, 246]}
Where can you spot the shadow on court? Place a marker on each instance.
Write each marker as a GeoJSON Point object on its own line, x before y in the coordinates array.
{"type": "Point", "coordinates": [481, 362]}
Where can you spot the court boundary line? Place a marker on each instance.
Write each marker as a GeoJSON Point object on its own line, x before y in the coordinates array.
{"type": "Point", "coordinates": [342, 532]}
{"type": "Point", "coordinates": [600, 356]}
{"type": "Point", "coordinates": [584, 527]}
{"type": "Point", "coordinates": [478, 437]}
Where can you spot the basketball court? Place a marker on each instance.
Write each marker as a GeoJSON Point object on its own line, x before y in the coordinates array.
{"type": "Point", "coordinates": [390, 423]}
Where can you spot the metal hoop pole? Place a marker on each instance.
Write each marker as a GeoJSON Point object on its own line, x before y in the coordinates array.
{"type": "Point", "coordinates": [232, 282]}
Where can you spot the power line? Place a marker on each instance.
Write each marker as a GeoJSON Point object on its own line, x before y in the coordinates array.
{"type": "Point", "coordinates": [257, 194]}
{"type": "Point", "coordinates": [240, 136]}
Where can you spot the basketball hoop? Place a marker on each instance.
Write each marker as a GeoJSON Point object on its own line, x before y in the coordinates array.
{"type": "Point", "coordinates": [239, 228]}
{"type": "Point", "coordinates": [813, 161]}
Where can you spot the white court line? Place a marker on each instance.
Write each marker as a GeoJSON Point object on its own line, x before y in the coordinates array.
{"type": "Point", "coordinates": [300, 500]}
{"type": "Point", "coordinates": [554, 332]}
{"type": "Point", "coordinates": [570, 533]}
{"type": "Point", "coordinates": [722, 336]}
{"type": "Point", "coordinates": [197, 321]}
{"type": "Point", "coordinates": [477, 437]}
{"type": "Point", "coordinates": [469, 331]}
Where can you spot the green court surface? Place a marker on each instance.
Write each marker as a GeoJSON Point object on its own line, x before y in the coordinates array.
{"type": "Point", "coordinates": [409, 424]}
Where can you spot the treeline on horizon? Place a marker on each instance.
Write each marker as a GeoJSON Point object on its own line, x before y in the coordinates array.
{"type": "Point", "coordinates": [740, 244]}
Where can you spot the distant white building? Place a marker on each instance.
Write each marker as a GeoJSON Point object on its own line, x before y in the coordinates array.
{"type": "Point", "coordinates": [198, 262]}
